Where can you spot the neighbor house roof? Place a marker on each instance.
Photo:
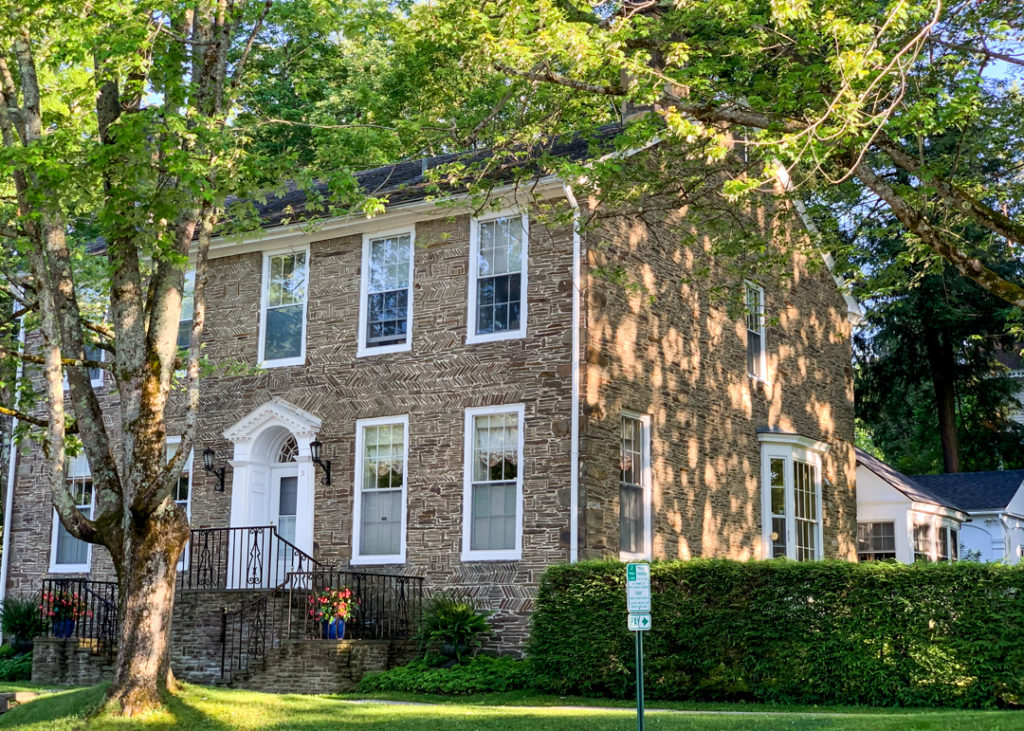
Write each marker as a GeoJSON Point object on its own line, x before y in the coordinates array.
{"type": "Point", "coordinates": [906, 485]}
{"type": "Point", "coordinates": [975, 491]}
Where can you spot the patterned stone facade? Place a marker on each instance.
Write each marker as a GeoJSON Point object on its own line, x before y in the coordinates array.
{"type": "Point", "coordinates": [679, 358]}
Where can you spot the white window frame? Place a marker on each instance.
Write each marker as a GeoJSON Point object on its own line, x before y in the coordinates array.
{"type": "Point", "coordinates": [474, 255]}
{"type": "Point", "coordinates": [359, 559]}
{"type": "Point", "coordinates": [937, 528]}
{"type": "Point", "coordinates": [94, 382]}
{"type": "Point", "coordinates": [174, 441]}
{"type": "Point", "coordinates": [71, 568]}
{"type": "Point", "coordinates": [265, 301]}
{"type": "Point", "coordinates": [790, 447]}
{"type": "Point", "coordinates": [762, 356]}
{"type": "Point", "coordinates": [506, 554]}
{"type": "Point", "coordinates": [190, 284]}
{"type": "Point", "coordinates": [646, 484]}
{"type": "Point", "coordinates": [363, 349]}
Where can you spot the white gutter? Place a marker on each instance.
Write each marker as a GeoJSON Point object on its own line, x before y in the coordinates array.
{"type": "Point", "coordinates": [12, 466]}
{"type": "Point", "coordinates": [574, 458]}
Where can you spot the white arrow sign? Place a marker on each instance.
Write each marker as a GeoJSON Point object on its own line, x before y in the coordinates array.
{"type": "Point", "coordinates": [638, 622]}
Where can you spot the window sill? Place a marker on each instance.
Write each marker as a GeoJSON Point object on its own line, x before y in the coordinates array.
{"type": "Point", "coordinates": [283, 362]}
{"type": "Point", "coordinates": [398, 558]}
{"type": "Point", "coordinates": [507, 555]}
{"type": "Point", "coordinates": [365, 352]}
{"type": "Point", "coordinates": [77, 568]}
{"type": "Point", "coordinates": [626, 556]}
{"type": "Point", "coordinates": [494, 337]}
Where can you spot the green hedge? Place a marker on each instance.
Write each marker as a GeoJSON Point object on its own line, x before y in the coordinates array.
{"type": "Point", "coordinates": [780, 631]}
{"type": "Point", "coordinates": [482, 674]}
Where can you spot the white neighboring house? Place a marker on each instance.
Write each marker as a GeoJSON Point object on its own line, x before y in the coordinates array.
{"type": "Point", "coordinates": [994, 503]}
{"type": "Point", "coordinates": [899, 518]}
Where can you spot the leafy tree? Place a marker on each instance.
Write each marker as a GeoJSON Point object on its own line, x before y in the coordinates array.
{"type": "Point", "coordinates": [823, 90]}
{"type": "Point", "coordinates": [119, 150]}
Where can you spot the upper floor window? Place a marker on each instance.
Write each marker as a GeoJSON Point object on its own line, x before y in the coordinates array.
{"type": "Point", "coordinates": [188, 294]}
{"type": "Point", "coordinates": [497, 281]}
{"type": "Point", "coordinates": [67, 553]}
{"type": "Point", "coordinates": [379, 510]}
{"type": "Point", "coordinates": [93, 352]}
{"type": "Point", "coordinates": [493, 492]}
{"type": "Point", "coordinates": [285, 289]}
{"type": "Point", "coordinates": [757, 366]}
{"type": "Point", "coordinates": [385, 317]}
{"type": "Point", "coordinates": [635, 487]}
{"type": "Point", "coordinates": [876, 541]}
{"type": "Point", "coordinates": [791, 496]}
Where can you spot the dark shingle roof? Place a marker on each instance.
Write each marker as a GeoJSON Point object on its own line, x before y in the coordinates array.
{"type": "Point", "coordinates": [407, 182]}
{"type": "Point", "coordinates": [975, 490]}
{"type": "Point", "coordinates": [908, 486]}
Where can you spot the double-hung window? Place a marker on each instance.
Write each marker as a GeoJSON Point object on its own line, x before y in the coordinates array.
{"type": "Point", "coordinates": [497, 278]}
{"type": "Point", "coordinates": [876, 541]}
{"type": "Point", "coordinates": [757, 360]}
{"type": "Point", "coordinates": [285, 289]}
{"type": "Point", "coordinates": [385, 316]}
{"type": "Point", "coordinates": [382, 450]}
{"type": "Point", "coordinates": [182, 491]}
{"type": "Point", "coordinates": [67, 553]}
{"type": "Point", "coordinates": [493, 490]}
{"type": "Point", "coordinates": [791, 496]}
{"type": "Point", "coordinates": [635, 487]}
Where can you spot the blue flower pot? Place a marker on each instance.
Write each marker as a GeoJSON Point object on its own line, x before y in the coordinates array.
{"type": "Point", "coordinates": [334, 630]}
{"type": "Point", "coordinates": [63, 628]}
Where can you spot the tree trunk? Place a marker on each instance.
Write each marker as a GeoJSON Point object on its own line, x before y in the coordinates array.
{"type": "Point", "coordinates": [146, 588]}
{"type": "Point", "coordinates": [942, 365]}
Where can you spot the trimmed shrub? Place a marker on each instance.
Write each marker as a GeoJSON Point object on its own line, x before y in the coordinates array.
{"type": "Point", "coordinates": [482, 674]}
{"type": "Point", "coordinates": [452, 625]}
{"type": "Point", "coordinates": [781, 631]}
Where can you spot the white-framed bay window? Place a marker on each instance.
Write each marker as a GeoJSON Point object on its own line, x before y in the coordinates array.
{"type": "Point", "coordinates": [67, 553]}
{"type": "Point", "coordinates": [492, 521]}
{"type": "Point", "coordinates": [791, 496]}
{"type": "Point", "coordinates": [635, 487]}
{"type": "Point", "coordinates": [936, 540]}
{"type": "Point", "coordinates": [283, 303]}
{"type": "Point", "coordinates": [385, 310]}
{"type": "Point", "coordinates": [379, 506]}
{"type": "Point", "coordinates": [498, 254]}
{"type": "Point", "coordinates": [757, 352]}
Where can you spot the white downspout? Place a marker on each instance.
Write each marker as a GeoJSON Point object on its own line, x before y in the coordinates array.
{"type": "Point", "coordinates": [574, 475]}
{"type": "Point", "coordinates": [12, 466]}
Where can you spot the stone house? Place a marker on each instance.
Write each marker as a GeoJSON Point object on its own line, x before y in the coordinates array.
{"type": "Point", "coordinates": [488, 403]}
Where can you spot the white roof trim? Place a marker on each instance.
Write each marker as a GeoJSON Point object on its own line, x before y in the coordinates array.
{"type": "Point", "coordinates": [793, 439]}
{"type": "Point", "coordinates": [276, 412]}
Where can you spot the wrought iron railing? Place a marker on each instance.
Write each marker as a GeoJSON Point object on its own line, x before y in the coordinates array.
{"type": "Point", "coordinates": [250, 557]}
{"type": "Point", "coordinates": [81, 608]}
{"type": "Point", "coordinates": [387, 607]}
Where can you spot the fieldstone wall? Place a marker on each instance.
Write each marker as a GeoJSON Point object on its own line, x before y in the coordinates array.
{"type": "Point", "coordinates": [70, 661]}
{"type": "Point", "coordinates": [667, 338]}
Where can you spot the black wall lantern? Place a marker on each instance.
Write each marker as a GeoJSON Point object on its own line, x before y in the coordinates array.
{"type": "Point", "coordinates": [208, 466]}
{"type": "Point", "coordinates": [314, 449]}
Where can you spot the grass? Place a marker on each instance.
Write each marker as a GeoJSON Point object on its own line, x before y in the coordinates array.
{"type": "Point", "coordinates": [199, 707]}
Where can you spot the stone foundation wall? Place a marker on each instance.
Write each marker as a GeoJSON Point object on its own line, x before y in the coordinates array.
{"type": "Point", "coordinates": [70, 661]}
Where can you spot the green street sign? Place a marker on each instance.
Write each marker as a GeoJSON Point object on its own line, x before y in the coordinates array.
{"type": "Point", "coordinates": [638, 588]}
{"type": "Point", "coordinates": [638, 622]}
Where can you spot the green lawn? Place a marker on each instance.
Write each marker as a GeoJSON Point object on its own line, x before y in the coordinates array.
{"type": "Point", "coordinates": [199, 707]}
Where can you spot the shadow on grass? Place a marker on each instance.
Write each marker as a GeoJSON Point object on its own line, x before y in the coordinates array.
{"type": "Point", "coordinates": [58, 711]}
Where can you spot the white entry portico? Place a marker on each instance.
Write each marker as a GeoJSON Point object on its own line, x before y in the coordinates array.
{"type": "Point", "coordinates": [273, 473]}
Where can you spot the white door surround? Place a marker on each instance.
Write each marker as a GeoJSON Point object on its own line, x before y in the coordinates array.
{"type": "Point", "coordinates": [258, 439]}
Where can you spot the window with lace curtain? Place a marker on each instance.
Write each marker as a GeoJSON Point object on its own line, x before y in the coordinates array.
{"type": "Point", "coordinates": [67, 553]}
{"type": "Point", "coordinates": [380, 482]}
{"type": "Point", "coordinates": [493, 514]}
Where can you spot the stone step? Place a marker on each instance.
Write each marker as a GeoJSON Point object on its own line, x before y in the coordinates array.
{"type": "Point", "coordinates": [11, 699]}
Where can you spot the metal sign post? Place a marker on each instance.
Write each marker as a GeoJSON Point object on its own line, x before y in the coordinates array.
{"type": "Point", "coordinates": [638, 604]}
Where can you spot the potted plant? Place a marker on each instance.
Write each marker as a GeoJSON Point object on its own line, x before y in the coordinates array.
{"type": "Point", "coordinates": [63, 609]}
{"type": "Point", "coordinates": [332, 608]}
{"type": "Point", "coordinates": [453, 625]}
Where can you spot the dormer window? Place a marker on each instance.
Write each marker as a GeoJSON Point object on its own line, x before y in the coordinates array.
{"type": "Point", "coordinates": [497, 278]}
{"type": "Point", "coordinates": [285, 289]}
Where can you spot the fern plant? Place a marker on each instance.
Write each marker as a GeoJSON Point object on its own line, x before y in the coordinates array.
{"type": "Point", "coordinates": [454, 625]}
